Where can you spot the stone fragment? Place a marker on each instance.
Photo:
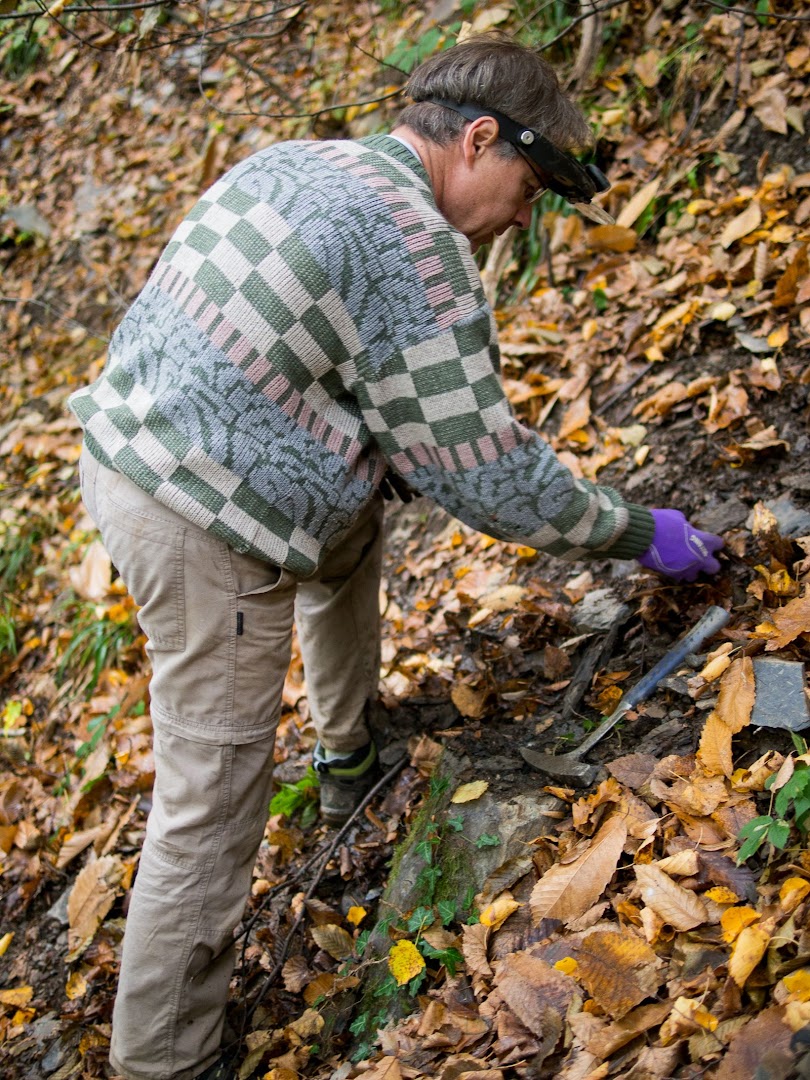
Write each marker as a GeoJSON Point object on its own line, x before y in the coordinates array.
{"type": "Point", "coordinates": [780, 700]}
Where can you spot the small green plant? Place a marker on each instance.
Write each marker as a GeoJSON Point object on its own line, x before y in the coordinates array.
{"type": "Point", "coordinates": [299, 798]}
{"type": "Point", "coordinates": [21, 46]}
{"type": "Point", "coordinates": [8, 632]}
{"type": "Point", "coordinates": [790, 805]}
{"type": "Point", "coordinates": [98, 638]}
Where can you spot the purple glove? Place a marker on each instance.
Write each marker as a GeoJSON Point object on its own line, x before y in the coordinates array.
{"type": "Point", "coordinates": [678, 549]}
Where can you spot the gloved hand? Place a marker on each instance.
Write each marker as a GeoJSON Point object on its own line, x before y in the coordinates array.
{"type": "Point", "coordinates": [392, 485]}
{"type": "Point", "coordinates": [678, 549]}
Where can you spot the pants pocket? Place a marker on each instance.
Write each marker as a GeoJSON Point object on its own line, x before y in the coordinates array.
{"type": "Point", "coordinates": [148, 554]}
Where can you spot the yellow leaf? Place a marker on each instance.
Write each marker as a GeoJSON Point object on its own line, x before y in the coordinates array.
{"type": "Point", "coordinates": [355, 915]}
{"type": "Point", "coordinates": [687, 1015]}
{"type": "Point", "coordinates": [714, 752]}
{"type": "Point", "coordinates": [797, 983]}
{"type": "Point", "coordinates": [715, 668]}
{"type": "Point", "coordinates": [792, 893]}
{"type": "Point", "coordinates": [525, 552]}
{"type": "Point", "coordinates": [496, 913]}
{"type": "Point", "coordinates": [469, 792]}
{"type": "Point", "coordinates": [742, 225]}
{"type": "Point", "coordinates": [76, 986]}
{"type": "Point", "coordinates": [18, 997]}
{"type": "Point", "coordinates": [749, 948]}
{"type": "Point", "coordinates": [404, 961]}
{"type": "Point", "coordinates": [721, 895]}
{"type": "Point", "coordinates": [734, 921]}
{"type": "Point", "coordinates": [778, 338]}
{"type": "Point", "coordinates": [5, 941]}
{"type": "Point", "coordinates": [722, 312]}
{"type": "Point", "coordinates": [568, 965]}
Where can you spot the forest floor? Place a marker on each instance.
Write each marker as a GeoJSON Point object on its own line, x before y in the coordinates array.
{"type": "Point", "coordinates": [666, 356]}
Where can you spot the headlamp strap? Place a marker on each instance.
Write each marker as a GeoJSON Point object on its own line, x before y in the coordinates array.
{"type": "Point", "coordinates": [564, 174]}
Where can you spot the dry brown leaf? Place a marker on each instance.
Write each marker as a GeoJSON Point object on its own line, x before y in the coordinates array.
{"type": "Point", "coordinates": [566, 892]}
{"type": "Point", "coordinates": [787, 287]}
{"type": "Point", "coordinates": [678, 907]}
{"type": "Point", "coordinates": [790, 621]}
{"type": "Point", "coordinates": [618, 970]}
{"type": "Point", "coordinates": [328, 983]}
{"type": "Point", "coordinates": [295, 974]}
{"type": "Point", "coordinates": [633, 210]}
{"type": "Point", "coordinates": [469, 702]}
{"type": "Point", "coordinates": [91, 578]}
{"type": "Point", "coordinates": [532, 988]}
{"type": "Point", "coordinates": [766, 1033]}
{"type": "Point", "coordinates": [683, 863]}
{"type": "Point", "coordinates": [662, 401]}
{"type": "Point", "coordinates": [742, 224]}
{"type": "Point", "coordinates": [576, 416]}
{"type": "Point", "coordinates": [726, 407]}
{"type": "Point", "coordinates": [321, 914]}
{"type": "Point", "coordinates": [424, 753]}
{"type": "Point", "coordinates": [648, 68]}
{"type": "Point", "coordinates": [770, 106]}
{"type": "Point", "coordinates": [611, 238]}
{"type": "Point", "coordinates": [91, 897]}
{"type": "Point", "coordinates": [613, 1037]}
{"type": "Point", "coordinates": [506, 598]}
{"type": "Point", "coordinates": [737, 692]}
{"type": "Point", "coordinates": [77, 842]}
{"type": "Point", "coordinates": [749, 948]}
{"type": "Point", "coordinates": [334, 940]}
{"type": "Point", "coordinates": [474, 947]}
{"type": "Point", "coordinates": [714, 752]}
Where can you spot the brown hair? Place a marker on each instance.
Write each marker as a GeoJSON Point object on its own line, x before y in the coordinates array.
{"type": "Point", "coordinates": [493, 71]}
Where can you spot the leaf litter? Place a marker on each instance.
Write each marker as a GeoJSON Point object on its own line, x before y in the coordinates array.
{"type": "Point", "coordinates": [680, 335]}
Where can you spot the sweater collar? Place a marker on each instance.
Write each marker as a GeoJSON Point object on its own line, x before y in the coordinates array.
{"type": "Point", "coordinates": [394, 148]}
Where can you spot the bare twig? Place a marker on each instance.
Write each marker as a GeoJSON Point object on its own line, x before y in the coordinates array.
{"type": "Point", "coordinates": [723, 10]}
{"type": "Point", "coordinates": [268, 982]}
{"type": "Point", "coordinates": [737, 71]}
{"type": "Point", "coordinates": [574, 22]}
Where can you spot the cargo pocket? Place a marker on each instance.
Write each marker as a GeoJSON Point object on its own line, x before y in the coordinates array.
{"type": "Point", "coordinates": [148, 554]}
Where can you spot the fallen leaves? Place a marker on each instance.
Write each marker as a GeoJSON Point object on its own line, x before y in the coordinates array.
{"type": "Point", "coordinates": [405, 961]}
{"type": "Point", "coordinates": [566, 891]}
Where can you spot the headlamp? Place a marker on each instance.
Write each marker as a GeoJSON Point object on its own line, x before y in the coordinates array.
{"type": "Point", "coordinates": [558, 171]}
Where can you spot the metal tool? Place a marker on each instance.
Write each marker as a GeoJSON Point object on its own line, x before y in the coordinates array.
{"type": "Point", "coordinates": [580, 773]}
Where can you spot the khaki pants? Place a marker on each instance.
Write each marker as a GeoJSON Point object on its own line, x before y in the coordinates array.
{"type": "Point", "coordinates": [216, 697]}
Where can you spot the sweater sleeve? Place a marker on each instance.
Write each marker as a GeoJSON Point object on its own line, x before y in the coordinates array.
{"type": "Point", "coordinates": [440, 416]}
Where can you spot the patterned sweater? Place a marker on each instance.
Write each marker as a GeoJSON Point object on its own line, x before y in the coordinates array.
{"type": "Point", "coordinates": [313, 320]}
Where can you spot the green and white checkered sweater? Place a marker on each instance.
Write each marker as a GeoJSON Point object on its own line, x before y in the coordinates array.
{"type": "Point", "coordinates": [313, 319]}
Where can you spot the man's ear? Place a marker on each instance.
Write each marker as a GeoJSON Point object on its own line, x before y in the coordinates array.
{"type": "Point", "coordinates": [478, 137]}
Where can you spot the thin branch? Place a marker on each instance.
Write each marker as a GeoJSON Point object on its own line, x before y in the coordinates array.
{"type": "Point", "coordinates": [268, 982]}
{"type": "Point", "coordinates": [737, 71]}
{"type": "Point", "coordinates": [304, 115]}
{"type": "Point", "coordinates": [580, 18]}
{"type": "Point", "coordinates": [55, 311]}
{"type": "Point", "coordinates": [722, 9]}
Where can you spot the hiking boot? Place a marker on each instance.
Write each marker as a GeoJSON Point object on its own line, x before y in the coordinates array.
{"type": "Point", "coordinates": [345, 781]}
{"type": "Point", "coordinates": [223, 1068]}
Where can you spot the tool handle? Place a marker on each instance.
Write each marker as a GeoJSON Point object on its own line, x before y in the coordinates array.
{"type": "Point", "coordinates": [713, 620]}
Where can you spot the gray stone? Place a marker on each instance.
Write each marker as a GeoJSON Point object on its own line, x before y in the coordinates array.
{"type": "Point", "coordinates": [720, 517]}
{"type": "Point", "coordinates": [599, 610]}
{"type": "Point", "coordinates": [780, 698]}
{"type": "Point", "coordinates": [792, 520]}
{"type": "Point", "coordinates": [796, 481]}
{"type": "Point", "coordinates": [28, 219]}
{"type": "Point", "coordinates": [58, 912]}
